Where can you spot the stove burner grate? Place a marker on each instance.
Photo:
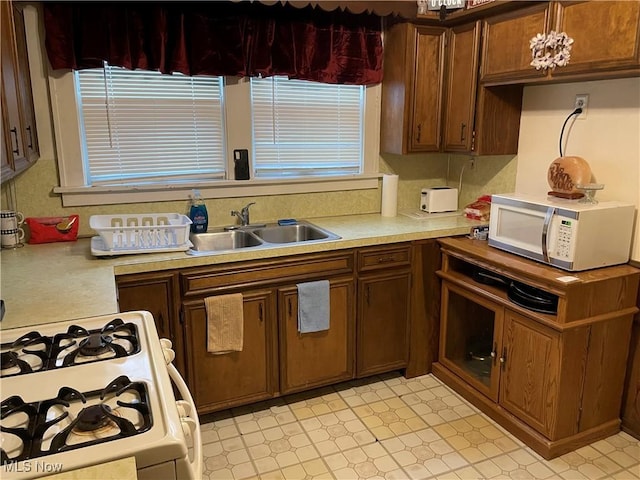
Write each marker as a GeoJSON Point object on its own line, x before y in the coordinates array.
{"type": "Point", "coordinates": [34, 352]}
{"type": "Point", "coordinates": [91, 418]}
{"type": "Point", "coordinates": [31, 346]}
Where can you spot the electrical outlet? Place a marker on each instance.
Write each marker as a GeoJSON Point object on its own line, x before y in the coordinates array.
{"type": "Point", "coordinates": [582, 101]}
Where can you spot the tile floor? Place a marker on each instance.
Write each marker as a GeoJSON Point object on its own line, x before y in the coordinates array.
{"type": "Point", "coordinates": [390, 427]}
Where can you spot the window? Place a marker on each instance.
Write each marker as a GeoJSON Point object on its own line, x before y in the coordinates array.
{"type": "Point", "coordinates": [230, 120]}
{"type": "Point", "coordinates": [303, 128]}
{"type": "Point", "coordinates": [141, 126]}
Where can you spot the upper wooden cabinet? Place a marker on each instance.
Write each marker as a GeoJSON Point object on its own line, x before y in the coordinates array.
{"type": "Point", "coordinates": [432, 102]}
{"type": "Point", "coordinates": [606, 37]}
{"type": "Point", "coordinates": [19, 142]}
{"type": "Point", "coordinates": [606, 42]}
{"type": "Point", "coordinates": [412, 89]}
{"type": "Point", "coordinates": [505, 44]}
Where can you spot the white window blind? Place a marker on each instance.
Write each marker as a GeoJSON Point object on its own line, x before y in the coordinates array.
{"type": "Point", "coordinates": [303, 128]}
{"type": "Point", "coordinates": [141, 126]}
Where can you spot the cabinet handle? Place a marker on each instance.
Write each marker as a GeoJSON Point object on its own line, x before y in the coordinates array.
{"type": "Point", "coordinates": [290, 309]}
{"type": "Point", "coordinates": [386, 259]}
{"type": "Point", "coordinates": [462, 128]}
{"type": "Point", "coordinates": [419, 132]}
{"type": "Point", "coordinates": [503, 358]}
{"type": "Point", "coordinates": [30, 137]}
{"type": "Point", "coordinates": [368, 295]}
{"type": "Point", "coordinates": [14, 130]}
{"type": "Point", "coordinates": [494, 352]}
{"type": "Point", "coordinates": [260, 313]}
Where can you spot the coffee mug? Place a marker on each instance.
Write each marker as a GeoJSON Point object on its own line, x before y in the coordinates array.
{"type": "Point", "coordinates": [12, 237]}
{"type": "Point", "coordinates": [10, 220]}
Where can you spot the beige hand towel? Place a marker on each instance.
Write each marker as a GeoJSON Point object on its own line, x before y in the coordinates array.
{"type": "Point", "coordinates": [225, 323]}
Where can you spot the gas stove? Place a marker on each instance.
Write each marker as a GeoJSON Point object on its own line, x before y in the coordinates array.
{"type": "Point", "coordinates": [81, 393]}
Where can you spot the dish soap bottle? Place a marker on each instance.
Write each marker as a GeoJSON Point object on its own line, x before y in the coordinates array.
{"type": "Point", "coordinates": [198, 213]}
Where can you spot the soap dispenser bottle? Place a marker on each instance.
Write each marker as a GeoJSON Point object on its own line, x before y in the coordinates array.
{"type": "Point", "coordinates": [198, 213]}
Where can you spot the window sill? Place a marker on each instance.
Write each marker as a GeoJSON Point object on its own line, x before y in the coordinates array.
{"type": "Point", "coordinates": [112, 195]}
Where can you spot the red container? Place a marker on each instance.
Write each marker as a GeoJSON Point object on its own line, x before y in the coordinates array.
{"type": "Point", "coordinates": [45, 230]}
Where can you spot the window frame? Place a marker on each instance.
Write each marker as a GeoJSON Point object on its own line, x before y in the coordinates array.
{"type": "Point", "coordinates": [237, 114]}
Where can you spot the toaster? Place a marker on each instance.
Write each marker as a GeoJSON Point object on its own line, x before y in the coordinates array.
{"type": "Point", "coordinates": [439, 199]}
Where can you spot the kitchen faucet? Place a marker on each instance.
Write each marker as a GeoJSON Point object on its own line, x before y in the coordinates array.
{"type": "Point", "coordinates": [243, 214]}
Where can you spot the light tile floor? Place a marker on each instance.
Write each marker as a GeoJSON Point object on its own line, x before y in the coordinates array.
{"type": "Point", "coordinates": [390, 427]}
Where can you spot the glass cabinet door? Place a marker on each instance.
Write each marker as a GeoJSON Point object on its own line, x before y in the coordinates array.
{"type": "Point", "coordinates": [470, 337]}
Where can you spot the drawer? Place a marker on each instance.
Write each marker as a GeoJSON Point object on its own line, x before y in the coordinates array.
{"type": "Point", "coordinates": [217, 279]}
{"type": "Point", "coordinates": [370, 259]}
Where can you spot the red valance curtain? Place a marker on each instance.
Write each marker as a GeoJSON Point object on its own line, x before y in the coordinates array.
{"type": "Point", "coordinates": [216, 38]}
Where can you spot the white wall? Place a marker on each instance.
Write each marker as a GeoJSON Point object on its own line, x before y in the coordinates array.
{"type": "Point", "coordinates": [608, 138]}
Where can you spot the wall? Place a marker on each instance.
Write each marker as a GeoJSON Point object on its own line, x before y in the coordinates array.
{"type": "Point", "coordinates": [608, 138]}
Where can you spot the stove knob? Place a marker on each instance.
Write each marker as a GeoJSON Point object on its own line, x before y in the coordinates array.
{"type": "Point", "coordinates": [166, 343]}
{"type": "Point", "coordinates": [188, 424]}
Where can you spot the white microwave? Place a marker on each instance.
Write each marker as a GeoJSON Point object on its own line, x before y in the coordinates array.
{"type": "Point", "coordinates": [563, 233]}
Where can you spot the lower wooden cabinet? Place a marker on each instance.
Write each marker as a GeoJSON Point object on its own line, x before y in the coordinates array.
{"type": "Point", "coordinates": [384, 309]}
{"type": "Point", "coordinates": [227, 380]}
{"type": "Point", "coordinates": [383, 322]}
{"type": "Point", "coordinates": [554, 380]}
{"type": "Point", "coordinates": [631, 398]}
{"type": "Point", "coordinates": [157, 293]}
{"type": "Point", "coordinates": [320, 358]}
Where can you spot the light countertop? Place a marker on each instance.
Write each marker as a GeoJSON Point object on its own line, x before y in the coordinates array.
{"type": "Point", "coordinates": [124, 469]}
{"type": "Point", "coordinates": [64, 281]}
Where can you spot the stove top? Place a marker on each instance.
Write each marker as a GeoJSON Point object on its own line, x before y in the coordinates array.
{"type": "Point", "coordinates": [35, 352]}
{"type": "Point", "coordinates": [84, 392]}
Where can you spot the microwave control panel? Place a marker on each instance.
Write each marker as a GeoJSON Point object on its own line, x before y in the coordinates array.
{"type": "Point", "coordinates": [563, 239]}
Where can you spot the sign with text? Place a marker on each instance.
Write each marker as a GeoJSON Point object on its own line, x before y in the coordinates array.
{"type": "Point", "coordinates": [477, 3]}
{"type": "Point", "coordinates": [448, 4]}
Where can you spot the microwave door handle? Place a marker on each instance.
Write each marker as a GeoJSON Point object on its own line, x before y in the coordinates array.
{"type": "Point", "coordinates": [545, 231]}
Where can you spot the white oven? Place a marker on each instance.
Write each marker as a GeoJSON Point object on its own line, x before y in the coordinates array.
{"type": "Point", "coordinates": [85, 392]}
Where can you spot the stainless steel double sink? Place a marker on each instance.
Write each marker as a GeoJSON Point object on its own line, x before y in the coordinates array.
{"type": "Point", "coordinates": [258, 236]}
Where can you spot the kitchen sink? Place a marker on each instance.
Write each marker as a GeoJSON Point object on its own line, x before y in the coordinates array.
{"type": "Point", "coordinates": [222, 241]}
{"type": "Point", "coordinates": [259, 236]}
{"type": "Point", "coordinates": [293, 233]}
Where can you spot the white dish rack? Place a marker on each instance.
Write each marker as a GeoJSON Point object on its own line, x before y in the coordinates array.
{"type": "Point", "coordinates": [143, 232]}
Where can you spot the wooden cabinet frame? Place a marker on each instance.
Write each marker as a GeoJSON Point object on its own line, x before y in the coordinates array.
{"type": "Point", "coordinates": [561, 376]}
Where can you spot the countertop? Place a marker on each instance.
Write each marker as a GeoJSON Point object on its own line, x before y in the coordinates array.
{"type": "Point", "coordinates": [64, 281]}
{"type": "Point", "coordinates": [124, 469]}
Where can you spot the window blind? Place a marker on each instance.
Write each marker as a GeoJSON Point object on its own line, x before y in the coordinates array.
{"type": "Point", "coordinates": [144, 126]}
{"type": "Point", "coordinates": [303, 128]}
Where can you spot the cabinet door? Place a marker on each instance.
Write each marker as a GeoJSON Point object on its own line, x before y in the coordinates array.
{"type": "Point", "coordinates": [428, 81]}
{"type": "Point", "coordinates": [151, 292]}
{"type": "Point", "coordinates": [412, 88]}
{"type": "Point", "coordinates": [506, 55]}
{"type": "Point", "coordinates": [606, 36]}
{"type": "Point", "coordinates": [383, 322]}
{"type": "Point", "coordinates": [14, 159]}
{"type": "Point", "coordinates": [236, 378]}
{"type": "Point", "coordinates": [462, 74]}
{"type": "Point", "coordinates": [470, 338]}
{"type": "Point", "coordinates": [320, 358]}
{"type": "Point", "coordinates": [30, 134]}
{"type": "Point", "coordinates": [530, 358]}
